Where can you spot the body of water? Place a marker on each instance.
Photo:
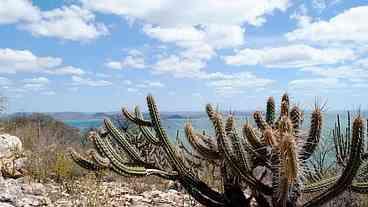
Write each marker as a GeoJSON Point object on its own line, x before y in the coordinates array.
{"type": "Point", "coordinates": [200, 124]}
{"type": "Point", "coordinates": [84, 124]}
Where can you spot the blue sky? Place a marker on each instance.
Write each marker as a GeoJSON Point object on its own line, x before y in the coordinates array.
{"type": "Point", "coordinates": [99, 55]}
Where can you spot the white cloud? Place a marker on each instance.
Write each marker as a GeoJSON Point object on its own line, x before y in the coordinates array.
{"type": "Point", "coordinates": [316, 84]}
{"type": "Point", "coordinates": [67, 70]}
{"type": "Point", "coordinates": [35, 84]}
{"type": "Point", "coordinates": [222, 36]}
{"type": "Point", "coordinates": [191, 12]}
{"type": "Point", "coordinates": [71, 23]}
{"type": "Point", "coordinates": [48, 93]}
{"type": "Point", "coordinates": [179, 67]}
{"type": "Point", "coordinates": [12, 61]}
{"type": "Point", "coordinates": [362, 63]}
{"type": "Point", "coordinates": [301, 15]}
{"type": "Point", "coordinates": [68, 22]}
{"type": "Point", "coordinates": [114, 65]}
{"type": "Point", "coordinates": [290, 56]}
{"type": "Point", "coordinates": [231, 84]}
{"type": "Point", "coordinates": [155, 84]}
{"type": "Point", "coordinates": [319, 4]}
{"type": "Point", "coordinates": [135, 52]}
{"type": "Point", "coordinates": [127, 82]}
{"type": "Point", "coordinates": [73, 89]}
{"type": "Point", "coordinates": [13, 11]}
{"type": "Point", "coordinates": [197, 28]}
{"type": "Point", "coordinates": [349, 25]}
{"type": "Point", "coordinates": [77, 80]}
{"type": "Point", "coordinates": [192, 41]}
{"type": "Point", "coordinates": [16, 61]}
{"type": "Point", "coordinates": [181, 35]}
{"type": "Point", "coordinates": [39, 80]}
{"type": "Point", "coordinates": [351, 73]}
{"type": "Point", "coordinates": [199, 42]}
{"type": "Point", "coordinates": [132, 90]}
{"type": "Point", "coordinates": [199, 52]}
{"type": "Point", "coordinates": [134, 60]}
{"type": "Point", "coordinates": [5, 81]}
{"type": "Point", "coordinates": [103, 75]}
{"type": "Point", "coordinates": [150, 84]}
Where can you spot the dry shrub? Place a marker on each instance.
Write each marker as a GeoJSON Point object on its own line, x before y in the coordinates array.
{"type": "Point", "coordinates": [44, 141]}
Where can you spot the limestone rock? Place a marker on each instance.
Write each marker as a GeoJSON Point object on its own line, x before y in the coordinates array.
{"type": "Point", "coordinates": [12, 160]}
{"type": "Point", "coordinates": [9, 145]}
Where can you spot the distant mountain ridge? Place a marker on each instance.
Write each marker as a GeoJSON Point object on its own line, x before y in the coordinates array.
{"type": "Point", "coordinates": [164, 115]}
{"type": "Point", "coordinates": [80, 115]}
{"type": "Point", "coordinates": [68, 115]}
{"type": "Point", "coordinates": [101, 115]}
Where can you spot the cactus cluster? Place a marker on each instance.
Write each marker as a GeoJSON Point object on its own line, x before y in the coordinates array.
{"type": "Point", "coordinates": [270, 160]}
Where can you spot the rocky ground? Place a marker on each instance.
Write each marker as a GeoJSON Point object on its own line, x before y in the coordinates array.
{"type": "Point", "coordinates": [22, 193]}
{"type": "Point", "coordinates": [17, 190]}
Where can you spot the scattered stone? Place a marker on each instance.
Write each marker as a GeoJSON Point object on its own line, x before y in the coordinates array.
{"type": "Point", "coordinates": [16, 193]}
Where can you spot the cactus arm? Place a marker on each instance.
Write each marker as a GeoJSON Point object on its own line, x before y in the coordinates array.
{"type": "Point", "coordinates": [313, 138]}
{"type": "Point", "coordinates": [230, 125]}
{"type": "Point", "coordinates": [97, 158]}
{"type": "Point", "coordinates": [162, 174]}
{"type": "Point", "coordinates": [224, 147]}
{"type": "Point", "coordinates": [276, 174]}
{"type": "Point", "coordinates": [342, 141]}
{"type": "Point", "coordinates": [239, 151]}
{"type": "Point", "coordinates": [122, 140]}
{"type": "Point", "coordinates": [285, 168]}
{"type": "Point", "coordinates": [350, 170]}
{"type": "Point", "coordinates": [135, 119]}
{"type": "Point", "coordinates": [260, 122]}
{"type": "Point", "coordinates": [251, 137]}
{"type": "Point", "coordinates": [336, 134]}
{"type": "Point", "coordinates": [320, 185]}
{"type": "Point", "coordinates": [190, 153]}
{"type": "Point", "coordinates": [236, 144]}
{"type": "Point", "coordinates": [295, 116]}
{"type": "Point", "coordinates": [360, 187]}
{"type": "Point", "coordinates": [83, 161]}
{"type": "Point", "coordinates": [188, 180]}
{"type": "Point", "coordinates": [282, 187]}
{"type": "Point", "coordinates": [127, 169]}
{"type": "Point", "coordinates": [174, 160]}
{"type": "Point", "coordinates": [198, 144]}
{"type": "Point", "coordinates": [253, 145]}
{"type": "Point", "coordinates": [365, 156]}
{"type": "Point", "coordinates": [285, 105]}
{"type": "Point", "coordinates": [145, 131]}
{"type": "Point", "coordinates": [117, 163]}
{"type": "Point", "coordinates": [270, 111]}
{"type": "Point", "coordinates": [363, 171]}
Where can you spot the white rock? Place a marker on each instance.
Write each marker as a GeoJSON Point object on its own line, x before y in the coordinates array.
{"type": "Point", "coordinates": [9, 145]}
{"type": "Point", "coordinates": [5, 205]}
{"type": "Point", "coordinates": [12, 160]}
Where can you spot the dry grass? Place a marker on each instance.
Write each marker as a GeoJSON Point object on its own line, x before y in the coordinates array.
{"type": "Point", "coordinates": [44, 141]}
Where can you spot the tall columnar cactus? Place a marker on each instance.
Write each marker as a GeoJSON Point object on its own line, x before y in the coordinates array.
{"type": "Point", "coordinates": [270, 160]}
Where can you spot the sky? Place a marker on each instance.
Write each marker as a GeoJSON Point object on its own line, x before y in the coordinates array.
{"type": "Point", "coordinates": [99, 55]}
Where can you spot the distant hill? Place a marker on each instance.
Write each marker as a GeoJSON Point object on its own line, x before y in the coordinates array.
{"type": "Point", "coordinates": [101, 115]}
{"type": "Point", "coordinates": [78, 115]}
{"type": "Point", "coordinates": [32, 126]}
